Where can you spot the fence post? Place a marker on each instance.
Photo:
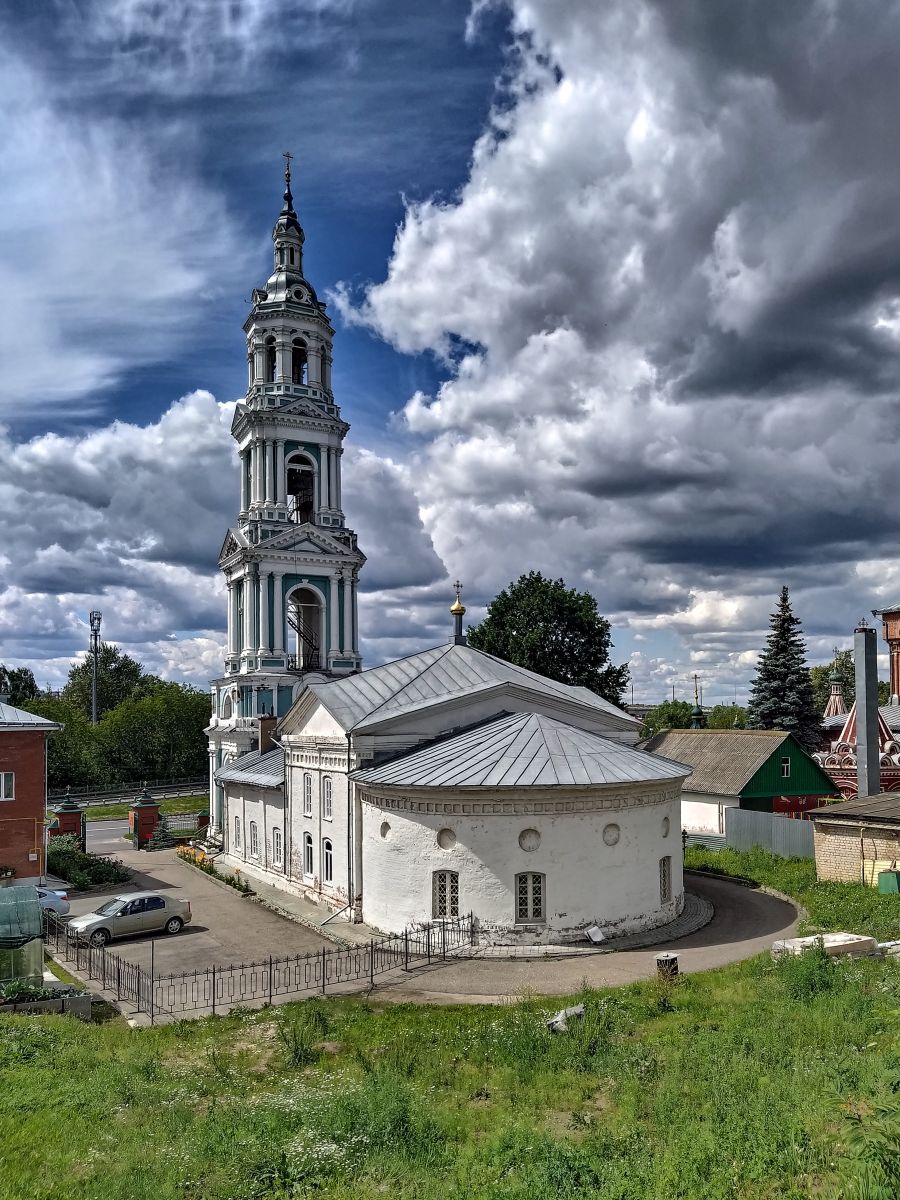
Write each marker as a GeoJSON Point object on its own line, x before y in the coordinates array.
{"type": "Point", "coordinates": [152, 1005]}
{"type": "Point", "coordinates": [443, 941]}
{"type": "Point", "coordinates": [428, 942]}
{"type": "Point", "coordinates": [118, 978]}
{"type": "Point", "coordinates": [270, 978]}
{"type": "Point", "coordinates": [323, 970]}
{"type": "Point", "coordinates": [406, 949]}
{"type": "Point", "coordinates": [214, 990]}
{"type": "Point", "coordinates": [471, 928]}
{"type": "Point", "coordinates": [372, 962]}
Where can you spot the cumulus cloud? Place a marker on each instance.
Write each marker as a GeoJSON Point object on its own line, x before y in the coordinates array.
{"type": "Point", "coordinates": [665, 300]}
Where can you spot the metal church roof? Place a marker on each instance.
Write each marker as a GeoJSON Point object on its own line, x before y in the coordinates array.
{"type": "Point", "coordinates": [18, 718]}
{"type": "Point", "coordinates": [255, 769]}
{"type": "Point", "coordinates": [365, 700]}
{"type": "Point", "coordinates": [519, 750]}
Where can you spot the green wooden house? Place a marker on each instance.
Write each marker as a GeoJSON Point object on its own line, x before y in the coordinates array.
{"type": "Point", "coordinates": [761, 769]}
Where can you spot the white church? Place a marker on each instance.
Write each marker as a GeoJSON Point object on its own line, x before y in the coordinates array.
{"type": "Point", "coordinates": [445, 783]}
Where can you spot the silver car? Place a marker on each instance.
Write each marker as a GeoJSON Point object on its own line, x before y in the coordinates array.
{"type": "Point", "coordinates": [124, 916]}
{"type": "Point", "coordinates": [55, 901]}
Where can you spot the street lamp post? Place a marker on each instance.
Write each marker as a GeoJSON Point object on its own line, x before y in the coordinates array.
{"type": "Point", "coordinates": [96, 617]}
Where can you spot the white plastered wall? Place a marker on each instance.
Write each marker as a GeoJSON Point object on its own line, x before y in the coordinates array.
{"type": "Point", "coordinates": [703, 813]}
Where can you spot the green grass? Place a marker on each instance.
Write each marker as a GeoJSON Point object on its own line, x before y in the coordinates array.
{"type": "Point", "coordinates": [175, 805]}
{"type": "Point", "coordinates": [764, 1080]}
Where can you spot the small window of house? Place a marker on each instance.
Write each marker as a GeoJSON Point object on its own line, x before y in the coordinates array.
{"type": "Point", "coordinates": [445, 894]}
{"type": "Point", "coordinates": [529, 896]}
{"type": "Point", "coordinates": [327, 802]}
{"type": "Point", "coordinates": [7, 785]}
{"type": "Point", "coordinates": [277, 849]}
{"type": "Point", "coordinates": [254, 839]}
{"type": "Point", "coordinates": [327, 862]}
{"type": "Point", "coordinates": [785, 768]}
{"type": "Point", "coordinates": [307, 795]}
{"type": "Point", "coordinates": [665, 879]}
{"type": "Point", "coordinates": [307, 854]}
{"type": "Point", "coordinates": [237, 833]}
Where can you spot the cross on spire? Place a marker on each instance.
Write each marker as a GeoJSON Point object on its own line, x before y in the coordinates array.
{"type": "Point", "coordinates": [288, 198]}
{"type": "Point", "coordinates": [457, 587]}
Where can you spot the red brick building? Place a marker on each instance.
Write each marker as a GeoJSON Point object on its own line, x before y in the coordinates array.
{"type": "Point", "coordinates": [23, 791]}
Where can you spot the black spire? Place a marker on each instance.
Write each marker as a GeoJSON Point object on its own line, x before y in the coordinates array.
{"type": "Point", "coordinates": [288, 206]}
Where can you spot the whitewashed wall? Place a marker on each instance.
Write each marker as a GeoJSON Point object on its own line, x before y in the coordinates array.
{"type": "Point", "coordinates": [701, 813]}
{"type": "Point", "coordinates": [587, 880]}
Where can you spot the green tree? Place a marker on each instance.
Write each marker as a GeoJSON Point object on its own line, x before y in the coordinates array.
{"type": "Point", "coordinates": [544, 626]}
{"type": "Point", "coordinates": [18, 683]}
{"type": "Point", "coordinates": [155, 735]}
{"type": "Point", "coordinates": [71, 752]}
{"type": "Point", "coordinates": [671, 714]}
{"type": "Point", "coordinates": [884, 692]}
{"type": "Point", "coordinates": [821, 679]}
{"type": "Point", "coordinates": [117, 677]}
{"type": "Point", "coordinates": [781, 696]}
{"type": "Point", "coordinates": [726, 716]}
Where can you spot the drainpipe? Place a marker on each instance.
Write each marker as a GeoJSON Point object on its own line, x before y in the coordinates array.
{"type": "Point", "coordinates": [350, 897]}
{"type": "Point", "coordinates": [287, 812]}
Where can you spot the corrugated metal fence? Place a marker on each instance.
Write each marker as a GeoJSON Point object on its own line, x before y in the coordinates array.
{"type": "Point", "coordinates": [790, 838]}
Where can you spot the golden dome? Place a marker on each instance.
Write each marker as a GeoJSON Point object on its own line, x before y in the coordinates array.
{"type": "Point", "coordinates": [457, 608]}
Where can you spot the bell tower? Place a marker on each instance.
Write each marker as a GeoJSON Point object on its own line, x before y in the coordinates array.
{"type": "Point", "coordinates": [291, 565]}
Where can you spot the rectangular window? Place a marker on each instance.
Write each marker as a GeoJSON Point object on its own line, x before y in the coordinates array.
{"type": "Point", "coordinates": [327, 803]}
{"type": "Point", "coordinates": [307, 795]}
{"type": "Point", "coordinates": [237, 833]}
{"type": "Point", "coordinates": [785, 768]}
{"type": "Point", "coordinates": [254, 840]}
{"type": "Point", "coordinates": [530, 896]}
{"type": "Point", "coordinates": [665, 879]}
{"type": "Point", "coordinates": [276, 848]}
{"type": "Point", "coordinates": [7, 785]}
{"type": "Point", "coordinates": [445, 894]}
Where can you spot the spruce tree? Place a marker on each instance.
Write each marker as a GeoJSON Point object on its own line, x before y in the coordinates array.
{"type": "Point", "coordinates": [781, 696]}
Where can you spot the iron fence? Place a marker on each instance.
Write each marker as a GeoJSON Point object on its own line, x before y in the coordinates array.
{"type": "Point", "coordinates": [185, 785]}
{"type": "Point", "coordinates": [220, 988]}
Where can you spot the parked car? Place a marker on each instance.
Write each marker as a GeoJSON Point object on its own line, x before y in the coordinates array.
{"type": "Point", "coordinates": [123, 916]}
{"type": "Point", "coordinates": [57, 902]}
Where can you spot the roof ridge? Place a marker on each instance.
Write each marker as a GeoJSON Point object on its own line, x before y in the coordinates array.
{"type": "Point", "coordinates": [406, 683]}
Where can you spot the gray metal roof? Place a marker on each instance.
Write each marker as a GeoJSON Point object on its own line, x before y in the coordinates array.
{"type": "Point", "coordinates": [884, 808]}
{"type": "Point", "coordinates": [18, 718]}
{"type": "Point", "coordinates": [255, 769]}
{"type": "Point", "coordinates": [365, 700]}
{"type": "Point", "coordinates": [723, 761]}
{"type": "Point", "coordinates": [518, 750]}
{"type": "Point", "coordinates": [890, 712]}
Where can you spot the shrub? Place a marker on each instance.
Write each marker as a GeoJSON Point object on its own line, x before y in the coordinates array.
{"type": "Point", "coordinates": [197, 858]}
{"type": "Point", "coordinates": [17, 992]}
{"type": "Point", "coordinates": [299, 1030]}
{"type": "Point", "coordinates": [808, 974]}
{"type": "Point", "coordinates": [66, 859]}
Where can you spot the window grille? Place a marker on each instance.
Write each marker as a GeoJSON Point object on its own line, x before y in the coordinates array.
{"type": "Point", "coordinates": [327, 862]}
{"type": "Point", "coordinates": [445, 894]}
{"type": "Point", "coordinates": [237, 833]}
{"type": "Point", "coordinates": [327, 803]}
{"type": "Point", "coordinates": [307, 795]}
{"type": "Point", "coordinates": [277, 849]}
{"type": "Point", "coordinates": [665, 879]}
{"type": "Point", "coordinates": [785, 768]}
{"type": "Point", "coordinates": [254, 840]}
{"type": "Point", "coordinates": [530, 896]}
{"type": "Point", "coordinates": [307, 854]}
{"type": "Point", "coordinates": [7, 785]}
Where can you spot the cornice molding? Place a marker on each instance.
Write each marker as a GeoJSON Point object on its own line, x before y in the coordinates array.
{"type": "Point", "coordinates": [553, 802]}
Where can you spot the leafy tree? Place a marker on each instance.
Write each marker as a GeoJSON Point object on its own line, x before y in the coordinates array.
{"type": "Point", "coordinates": [117, 677]}
{"type": "Point", "coordinates": [781, 696]}
{"type": "Point", "coordinates": [155, 735]}
{"type": "Point", "coordinates": [726, 716]}
{"type": "Point", "coordinates": [671, 714]}
{"type": "Point", "coordinates": [544, 626]}
{"type": "Point", "coordinates": [71, 754]}
{"type": "Point", "coordinates": [884, 692]}
{"type": "Point", "coordinates": [18, 683]}
{"type": "Point", "coordinates": [821, 679]}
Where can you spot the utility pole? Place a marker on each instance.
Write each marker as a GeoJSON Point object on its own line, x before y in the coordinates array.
{"type": "Point", "coordinates": [96, 618]}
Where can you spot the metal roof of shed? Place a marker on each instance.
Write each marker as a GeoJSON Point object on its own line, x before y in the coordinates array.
{"type": "Point", "coordinates": [885, 809]}
{"type": "Point", "coordinates": [723, 760]}
{"type": "Point", "coordinates": [18, 718]}
{"type": "Point", "coordinates": [364, 700]}
{"type": "Point", "coordinates": [256, 769]}
{"type": "Point", "coordinates": [518, 750]}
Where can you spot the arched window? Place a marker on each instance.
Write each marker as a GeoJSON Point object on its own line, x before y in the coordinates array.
{"type": "Point", "coordinates": [277, 848]}
{"type": "Point", "coordinates": [307, 854]}
{"type": "Point", "coordinates": [324, 366]}
{"type": "Point", "coordinates": [307, 795]}
{"type": "Point", "coordinates": [298, 361]}
{"type": "Point", "coordinates": [270, 359]}
{"type": "Point", "coordinates": [327, 805]}
{"type": "Point", "coordinates": [237, 833]}
{"type": "Point", "coordinates": [304, 615]}
{"type": "Point", "coordinates": [226, 707]}
{"type": "Point", "coordinates": [529, 897]}
{"type": "Point", "coordinates": [254, 839]}
{"type": "Point", "coordinates": [301, 489]}
{"type": "Point", "coordinates": [327, 862]}
{"type": "Point", "coordinates": [291, 255]}
{"type": "Point", "coordinates": [665, 879]}
{"type": "Point", "coordinates": [445, 894]}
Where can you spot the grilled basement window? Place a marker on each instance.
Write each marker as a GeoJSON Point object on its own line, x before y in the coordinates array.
{"type": "Point", "coordinates": [7, 785]}
{"type": "Point", "coordinates": [665, 879]}
{"type": "Point", "coordinates": [277, 850]}
{"type": "Point", "coordinates": [307, 795]}
{"type": "Point", "coordinates": [530, 896]}
{"type": "Point", "coordinates": [254, 840]}
{"type": "Point", "coordinates": [307, 854]}
{"type": "Point", "coordinates": [327, 803]}
{"type": "Point", "coordinates": [785, 768]}
{"type": "Point", "coordinates": [445, 894]}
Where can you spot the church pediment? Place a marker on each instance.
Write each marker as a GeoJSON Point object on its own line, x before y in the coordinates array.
{"type": "Point", "coordinates": [234, 541]}
{"type": "Point", "coordinates": [304, 539]}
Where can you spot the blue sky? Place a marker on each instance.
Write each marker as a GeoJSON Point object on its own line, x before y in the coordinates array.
{"type": "Point", "coordinates": [617, 290]}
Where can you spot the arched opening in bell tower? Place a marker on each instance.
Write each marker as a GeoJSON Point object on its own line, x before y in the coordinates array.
{"type": "Point", "coordinates": [270, 359]}
{"type": "Point", "coordinates": [298, 361]}
{"type": "Point", "coordinates": [301, 489]}
{"type": "Point", "coordinates": [306, 617]}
